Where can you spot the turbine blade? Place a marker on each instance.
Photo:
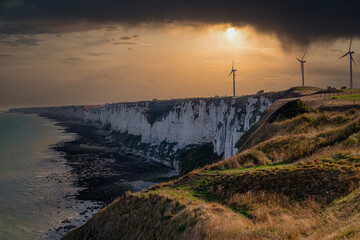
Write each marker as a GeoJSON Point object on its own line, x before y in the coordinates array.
{"type": "Point", "coordinates": [353, 60]}
{"type": "Point", "coordinates": [233, 65]}
{"type": "Point", "coordinates": [230, 73]}
{"type": "Point", "coordinates": [344, 55]}
{"type": "Point", "coordinates": [350, 44]}
{"type": "Point", "coordinates": [298, 59]}
{"type": "Point", "coordinates": [304, 55]}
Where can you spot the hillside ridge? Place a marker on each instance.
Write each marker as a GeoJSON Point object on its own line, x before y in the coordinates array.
{"type": "Point", "coordinates": [299, 180]}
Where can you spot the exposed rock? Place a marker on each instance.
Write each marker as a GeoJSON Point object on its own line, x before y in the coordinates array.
{"type": "Point", "coordinates": [162, 130]}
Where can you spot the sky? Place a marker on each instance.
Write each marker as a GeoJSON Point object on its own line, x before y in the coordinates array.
{"type": "Point", "coordinates": [92, 52]}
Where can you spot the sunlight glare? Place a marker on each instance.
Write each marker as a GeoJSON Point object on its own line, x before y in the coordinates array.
{"type": "Point", "coordinates": [230, 33]}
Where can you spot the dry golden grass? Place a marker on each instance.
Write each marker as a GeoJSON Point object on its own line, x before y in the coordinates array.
{"type": "Point", "coordinates": [302, 182]}
{"type": "Point", "coordinates": [342, 219]}
{"type": "Point", "coordinates": [309, 123]}
{"type": "Point", "coordinates": [297, 138]}
{"type": "Point", "coordinates": [163, 216]}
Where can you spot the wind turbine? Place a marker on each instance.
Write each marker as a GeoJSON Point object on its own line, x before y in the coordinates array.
{"type": "Point", "coordinates": [233, 70]}
{"type": "Point", "coordinates": [302, 67]}
{"type": "Point", "coordinates": [350, 53]}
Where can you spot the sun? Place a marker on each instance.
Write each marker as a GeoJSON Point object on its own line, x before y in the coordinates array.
{"type": "Point", "coordinates": [230, 33]}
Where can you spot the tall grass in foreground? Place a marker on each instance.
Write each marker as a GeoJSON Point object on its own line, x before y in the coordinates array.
{"type": "Point", "coordinates": [296, 138]}
{"type": "Point", "coordinates": [301, 181]}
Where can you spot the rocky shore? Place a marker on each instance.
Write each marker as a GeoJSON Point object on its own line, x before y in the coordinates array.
{"type": "Point", "coordinates": [101, 171]}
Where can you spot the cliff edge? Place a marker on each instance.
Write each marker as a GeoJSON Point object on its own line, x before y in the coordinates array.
{"type": "Point", "coordinates": [299, 180]}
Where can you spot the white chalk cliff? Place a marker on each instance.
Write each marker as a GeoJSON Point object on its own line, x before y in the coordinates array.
{"type": "Point", "coordinates": [178, 123]}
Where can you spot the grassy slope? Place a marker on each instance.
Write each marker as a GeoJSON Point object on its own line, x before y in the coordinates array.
{"type": "Point", "coordinates": [352, 97]}
{"type": "Point", "coordinates": [348, 94]}
{"type": "Point", "coordinates": [300, 181]}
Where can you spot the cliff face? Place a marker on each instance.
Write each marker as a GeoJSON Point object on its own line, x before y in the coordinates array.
{"type": "Point", "coordinates": [299, 179]}
{"type": "Point", "coordinates": [160, 130]}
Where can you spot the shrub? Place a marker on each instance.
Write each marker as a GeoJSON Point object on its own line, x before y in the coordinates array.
{"type": "Point", "coordinates": [290, 110]}
{"type": "Point", "coordinates": [351, 111]}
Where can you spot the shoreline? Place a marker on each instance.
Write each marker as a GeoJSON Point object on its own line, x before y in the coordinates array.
{"type": "Point", "coordinates": [100, 171]}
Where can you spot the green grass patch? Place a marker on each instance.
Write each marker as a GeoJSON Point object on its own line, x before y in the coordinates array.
{"type": "Point", "coordinates": [248, 169]}
{"type": "Point", "coordinates": [245, 213]}
{"type": "Point", "coordinates": [350, 90]}
{"type": "Point", "coordinates": [352, 97]}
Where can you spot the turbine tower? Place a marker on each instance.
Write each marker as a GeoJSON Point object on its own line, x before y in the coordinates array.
{"type": "Point", "coordinates": [302, 67]}
{"type": "Point", "coordinates": [233, 70]}
{"type": "Point", "coordinates": [350, 53]}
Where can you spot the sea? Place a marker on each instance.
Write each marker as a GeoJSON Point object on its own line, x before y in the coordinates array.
{"type": "Point", "coordinates": [35, 185]}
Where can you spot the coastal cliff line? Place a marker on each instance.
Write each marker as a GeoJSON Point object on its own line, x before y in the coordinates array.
{"type": "Point", "coordinates": [161, 130]}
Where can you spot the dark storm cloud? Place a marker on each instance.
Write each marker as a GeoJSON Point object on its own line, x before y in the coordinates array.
{"type": "Point", "coordinates": [125, 38]}
{"type": "Point", "coordinates": [97, 54]}
{"type": "Point", "coordinates": [292, 21]}
{"type": "Point", "coordinates": [25, 41]}
{"type": "Point", "coordinates": [335, 50]}
{"type": "Point", "coordinates": [4, 55]}
{"type": "Point", "coordinates": [125, 43]}
{"type": "Point", "coordinates": [73, 59]}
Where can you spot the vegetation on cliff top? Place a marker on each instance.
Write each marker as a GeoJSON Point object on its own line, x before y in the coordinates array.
{"type": "Point", "coordinates": [291, 109]}
{"type": "Point", "coordinates": [299, 180]}
{"type": "Point", "coordinates": [353, 97]}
